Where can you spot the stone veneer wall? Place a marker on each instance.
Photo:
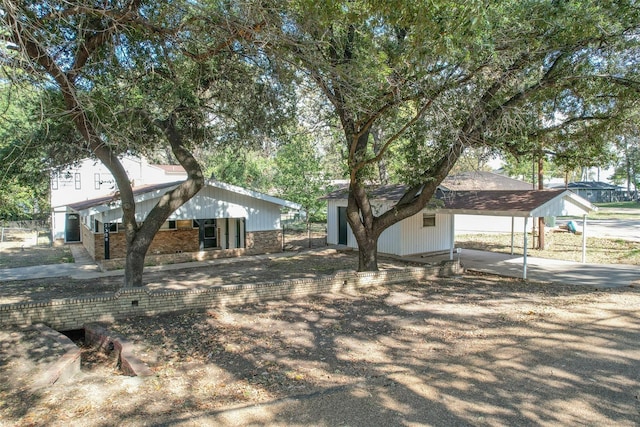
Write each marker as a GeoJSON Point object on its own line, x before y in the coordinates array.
{"type": "Point", "coordinates": [89, 240]}
{"type": "Point", "coordinates": [262, 242]}
{"type": "Point", "coordinates": [165, 242]}
{"type": "Point", "coordinates": [73, 313]}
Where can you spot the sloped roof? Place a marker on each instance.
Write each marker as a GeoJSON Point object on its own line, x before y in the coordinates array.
{"type": "Point", "coordinates": [112, 201]}
{"type": "Point", "coordinates": [593, 185]}
{"type": "Point", "coordinates": [480, 180]}
{"type": "Point", "coordinates": [519, 203]}
{"type": "Point", "coordinates": [115, 197]}
{"type": "Point", "coordinates": [523, 203]}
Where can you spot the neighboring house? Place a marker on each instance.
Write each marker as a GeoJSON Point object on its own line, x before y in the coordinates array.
{"type": "Point", "coordinates": [89, 179]}
{"type": "Point", "coordinates": [596, 191]}
{"type": "Point", "coordinates": [220, 217]}
{"type": "Point", "coordinates": [433, 229]}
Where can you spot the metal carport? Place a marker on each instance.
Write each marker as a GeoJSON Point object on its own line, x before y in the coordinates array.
{"type": "Point", "coordinates": [520, 203]}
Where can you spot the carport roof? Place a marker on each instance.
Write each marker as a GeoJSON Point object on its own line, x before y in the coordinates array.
{"type": "Point", "coordinates": [517, 203]}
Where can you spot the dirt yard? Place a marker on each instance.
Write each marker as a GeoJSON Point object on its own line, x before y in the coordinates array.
{"type": "Point", "coordinates": [476, 350]}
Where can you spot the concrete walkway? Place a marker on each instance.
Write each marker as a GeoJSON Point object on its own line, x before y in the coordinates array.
{"type": "Point", "coordinates": [548, 270]}
{"type": "Point", "coordinates": [538, 269]}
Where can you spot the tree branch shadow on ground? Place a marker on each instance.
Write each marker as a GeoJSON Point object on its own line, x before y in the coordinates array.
{"type": "Point", "coordinates": [477, 352]}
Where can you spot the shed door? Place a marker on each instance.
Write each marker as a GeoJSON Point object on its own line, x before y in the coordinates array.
{"type": "Point", "coordinates": [342, 225]}
{"type": "Point", "coordinates": [72, 228]}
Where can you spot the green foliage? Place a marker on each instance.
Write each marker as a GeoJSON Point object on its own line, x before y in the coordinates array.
{"type": "Point", "coordinates": [299, 176]}
{"type": "Point", "coordinates": [240, 166]}
{"type": "Point", "coordinates": [24, 182]}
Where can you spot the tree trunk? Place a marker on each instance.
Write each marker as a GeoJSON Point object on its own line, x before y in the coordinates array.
{"type": "Point", "coordinates": [139, 238]}
{"type": "Point", "coordinates": [368, 255]}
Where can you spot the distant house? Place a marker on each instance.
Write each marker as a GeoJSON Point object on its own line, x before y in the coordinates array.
{"type": "Point", "coordinates": [89, 179]}
{"type": "Point", "coordinates": [221, 217]}
{"type": "Point", "coordinates": [596, 191]}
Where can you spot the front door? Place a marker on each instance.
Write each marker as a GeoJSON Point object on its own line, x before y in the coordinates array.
{"type": "Point", "coordinates": [72, 228]}
{"type": "Point", "coordinates": [342, 225]}
{"type": "Point", "coordinates": [208, 234]}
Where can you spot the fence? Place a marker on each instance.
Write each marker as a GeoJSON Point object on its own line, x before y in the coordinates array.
{"type": "Point", "coordinates": [25, 236]}
{"type": "Point", "coordinates": [296, 236]}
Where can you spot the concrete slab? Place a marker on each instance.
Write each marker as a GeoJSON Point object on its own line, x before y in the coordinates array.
{"type": "Point", "coordinates": [547, 270]}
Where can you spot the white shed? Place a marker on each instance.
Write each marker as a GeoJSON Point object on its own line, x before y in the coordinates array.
{"type": "Point", "coordinates": [433, 229]}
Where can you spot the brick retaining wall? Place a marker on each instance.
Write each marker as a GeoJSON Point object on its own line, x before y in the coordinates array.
{"type": "Point", "coordinates": [73, 313]}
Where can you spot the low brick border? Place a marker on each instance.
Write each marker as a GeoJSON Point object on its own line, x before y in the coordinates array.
{"type": "Point", "coordinates": [123, 350]}
{"type": "Point", "coordinates": [74, 313]}
{"type": "Point", "coordinates": [66, 366]}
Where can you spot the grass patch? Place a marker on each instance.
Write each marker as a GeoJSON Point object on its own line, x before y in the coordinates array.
{"type": "Point", "coordinates": [619, 205]}
{"type": "Point", "coordinates": [563, 246]}
{"type": "Point", "coordinates": [13, 257]}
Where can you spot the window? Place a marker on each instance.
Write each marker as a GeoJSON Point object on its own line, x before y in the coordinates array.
{"type": "Point", "coordinates": [96, 181]}
{"type": "Point", "coordinates": [428, 220]}
{"type": "Point", "coordinates": [54, 183]}
{"type": "Point", "coordinates": [169, 225]}
{"type": "Point", "coordinates": [76, 180]}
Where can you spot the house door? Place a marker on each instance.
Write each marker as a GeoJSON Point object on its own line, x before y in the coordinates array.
{"type": "Point", "coordinates": [208, 234]}
{"type": "Point", "coordinates": [342, 225]}
{"type": "Point", "coordinates": [72, 228]}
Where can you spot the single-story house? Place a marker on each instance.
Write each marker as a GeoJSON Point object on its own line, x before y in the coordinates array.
{"type": "Point", "coordinates": [433, 229]}
{"type": "Point", "coordinates": [596, 191]}
{"type": "Point", "coordinates": [220, 217]}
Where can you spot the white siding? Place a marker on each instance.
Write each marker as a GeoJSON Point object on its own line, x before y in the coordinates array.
{"type": "Point", "coordinates": [418, 239]}
{"type": "Point", "coordinates": [332, 220]}
{"type": "Point", "coordinates": [217, 203]}
{"type": "Point", "coordinates": [488, 224]}
{"type": "Point", "coordinates": [404, 238]}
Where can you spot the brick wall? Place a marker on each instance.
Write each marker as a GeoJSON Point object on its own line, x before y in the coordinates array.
{"type": "Point", "coordinates": [262, 242]}
{"type": "Point", "coordinates": [73, 313]}
{"type": "Point", "coordinates": [165, 242]}
{"type": "Point", "coordinates": [89, 240]}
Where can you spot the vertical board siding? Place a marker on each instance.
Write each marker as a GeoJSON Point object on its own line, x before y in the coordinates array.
{"type": "Point", "coordinates": [216, 203]}
{"type": "Point", "coordinates": [418, 239]}
{"type": "Point", "coordinates": [404, 238]}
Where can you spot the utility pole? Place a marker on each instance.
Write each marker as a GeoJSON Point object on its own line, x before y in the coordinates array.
{"type": "Point", "coordinates": [541, 187]}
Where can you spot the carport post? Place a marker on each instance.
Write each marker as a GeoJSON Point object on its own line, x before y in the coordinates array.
{"type": "Point", "coordinates": [524, 260]}
{"type": "Point", "coordinates": [513, 229]}
{"type": "Point", "coordinates": [452, 235]}
{"type": "Point", "coordinates": [584, 238]}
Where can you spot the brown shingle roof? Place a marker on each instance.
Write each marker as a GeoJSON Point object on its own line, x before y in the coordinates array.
{"type": "Point", "coordinates": [495, 201]}
{"type": "Point", "coordinates": [479, 180]}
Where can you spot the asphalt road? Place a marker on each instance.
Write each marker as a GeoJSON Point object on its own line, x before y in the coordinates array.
{"type": "Point", "coordinates": [626, 229]}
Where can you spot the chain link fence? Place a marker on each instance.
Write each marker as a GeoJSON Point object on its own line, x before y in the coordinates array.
{"type": "Point", "coordinates": [296, 236]}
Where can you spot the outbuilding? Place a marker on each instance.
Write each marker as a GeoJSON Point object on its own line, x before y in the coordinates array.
{"type": "Point", "coordinates": [433, 229]}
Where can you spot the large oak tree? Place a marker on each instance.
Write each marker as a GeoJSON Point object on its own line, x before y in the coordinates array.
{"type": "Point", "coordinates": [128, 76]}
{"type": "Point", "coordinates": [432, 78]}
